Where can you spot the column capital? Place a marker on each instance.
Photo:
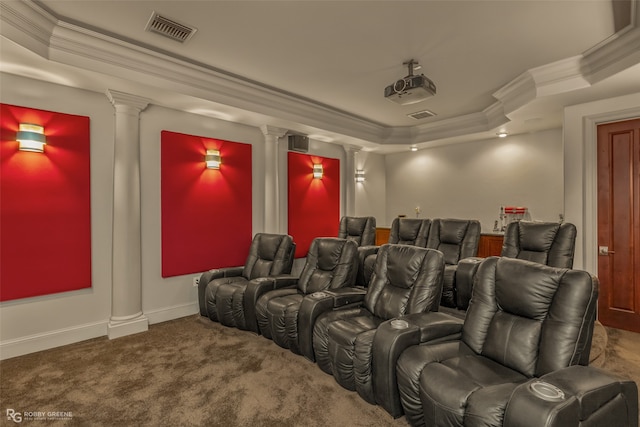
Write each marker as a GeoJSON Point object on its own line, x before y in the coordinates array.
{"type": "Point", "coordinates": [121, 98]}
{"type": "Point", "coordinates": [273, 131]}
{"type": "Point", "coordinates": [348, 148]}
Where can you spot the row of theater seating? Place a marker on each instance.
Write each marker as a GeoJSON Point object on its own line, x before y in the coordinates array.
{"type": "Point", "coordinates": [513, 360]}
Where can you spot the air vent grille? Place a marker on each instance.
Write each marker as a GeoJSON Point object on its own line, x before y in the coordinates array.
{"type": "Point", "coordinates": [418, 115]}
{"type": "Point", "coordinates": [169, 28]}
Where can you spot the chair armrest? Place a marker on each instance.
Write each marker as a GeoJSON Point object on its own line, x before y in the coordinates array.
{"type": "Point", "coordinates": [362, 278]}
{"type": "Point", "coordinates": [572, 396]}
{"type": "Point", "coordinates": [258, 287]}
{"type": "Point", "coordinates": [210, 275]}
{"type": "Point", "coordinates": [347, 296]}
{"type": "Point", "coordinates": [395, 336]}
{"type": "Point", "coordinates": [465, 275]}
{"type": "Point", "coordinates": [311, 307]}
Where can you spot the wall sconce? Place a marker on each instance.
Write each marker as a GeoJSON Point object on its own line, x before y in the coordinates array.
{"type": "Point", "coordinates": [212, 159]}
{"type": "Point", "coordinates": [317, 171]}
{"type": "Point", "coordinates": [31, 138]}
{"type": "Point", "coordinates": [359, 175]}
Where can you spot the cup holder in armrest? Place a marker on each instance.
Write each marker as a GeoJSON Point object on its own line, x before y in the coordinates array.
{"type": "Point", "coordinates": [546, 391]}
{"type": "Point", "coordinates": [319, 295]}
{"type": "Point", "coordinates": [399, 324]}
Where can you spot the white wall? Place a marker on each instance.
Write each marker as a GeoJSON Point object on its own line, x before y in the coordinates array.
{"type": "Point", "coordinates": [472, 180]}
{"type": "Point", "coordinates": [371, 194]}
{"type": "Point", "coordinates": [168, 298]}
{"type": "Point", "coordinates": [33, 324]}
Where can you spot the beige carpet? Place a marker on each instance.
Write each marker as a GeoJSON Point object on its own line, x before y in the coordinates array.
{"type": "Point", "coordinates": [193, 372]}
{"type": "Point", "coordinates": [188, 371]}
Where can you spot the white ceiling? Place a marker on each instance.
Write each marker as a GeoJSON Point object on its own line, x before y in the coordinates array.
{"type": "Point", "coordinates": [320, 67]}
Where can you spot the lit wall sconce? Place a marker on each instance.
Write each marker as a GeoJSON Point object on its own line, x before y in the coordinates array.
{"type": "Point", "coordinates": [31, 138]}
{"type": "Point", "coordinates": [212, 159]}
{"type": "Point", "coordinates": [359, 175]}
{"type": "Point", "coordinates": [317, 171]}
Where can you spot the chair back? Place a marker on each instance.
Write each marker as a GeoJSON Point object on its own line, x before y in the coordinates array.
{"type": "Point", "coordinates": [406, 279]}
{"type": "Point", "coordinates": [548, 243]}
{"type": "Point", "coordinates": [361, 230]}
{"type": "Point", "coordinates": [530, 317]}
{"type": "Point", "coordinates": [269, 255]}
{"type": "Point", "coordinates": [331, 263]}
{"type": "Point", "coordinates": [455, 238]}
{"type": "Point", "coordinates": [410, 231]}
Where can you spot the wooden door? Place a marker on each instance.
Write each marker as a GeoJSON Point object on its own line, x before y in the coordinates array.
{"type": "Point", "coordinates": [619, 224]}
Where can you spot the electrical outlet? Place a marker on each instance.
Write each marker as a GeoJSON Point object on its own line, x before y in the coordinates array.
{"type": "Point", "coordinates": [196, 281]}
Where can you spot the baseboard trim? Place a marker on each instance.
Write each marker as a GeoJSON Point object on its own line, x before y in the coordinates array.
{"type": "Point", "coordinates": [122, 328]}
{"type": "Point", "coordinates": [47, 340]}
{"type": "Point", "coordinates": [171, 313]}
{"type": "Point", "coordinates": [44, 341]}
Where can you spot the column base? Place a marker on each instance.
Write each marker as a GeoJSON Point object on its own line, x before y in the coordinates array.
{"type": "Point", "coordinates": [121, 328]}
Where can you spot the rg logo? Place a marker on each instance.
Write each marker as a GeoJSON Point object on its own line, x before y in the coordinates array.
{"type": "Point", "coordinates": [14, 416]}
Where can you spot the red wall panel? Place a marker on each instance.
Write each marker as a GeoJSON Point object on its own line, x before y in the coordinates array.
{"type": "Point", "coordinates": [313, 204]}
{"type": "Point", "coordinates": [206, 213]}
{"type": "Point", "coordinates": [45, 206]}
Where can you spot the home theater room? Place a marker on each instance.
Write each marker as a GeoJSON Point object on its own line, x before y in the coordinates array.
{"type": "Point", "coordinates": [320, 213]}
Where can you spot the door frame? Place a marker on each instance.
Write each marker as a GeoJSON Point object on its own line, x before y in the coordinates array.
{"type": "Point", "coordinates": [580, 139]}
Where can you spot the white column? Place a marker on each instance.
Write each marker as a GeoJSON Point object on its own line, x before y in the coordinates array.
{"type": "Point", "coordinates": [126, 289]}
{"type": "Point", "coordinates": [271, 182]}
{"type": "Point", "coordinates": [350, 179]}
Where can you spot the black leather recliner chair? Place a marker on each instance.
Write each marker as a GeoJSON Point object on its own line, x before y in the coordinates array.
{"type": "Point", "coordinates": [269, 255]}
{"type": "Point", "coordinates": [548, 243]}
{"type": "Point", "coordinates": [361, 230]}
{"type": "Point", "coordinates": [526, 326]}
{"type": "Point", "coordinates": [456, 239]}
{"type": "Point", "coordinates": [406, 280]}
{"type": "Point", "coordinates": [331, 264]}
{"type": "Point", "coordinates": [404, 231]}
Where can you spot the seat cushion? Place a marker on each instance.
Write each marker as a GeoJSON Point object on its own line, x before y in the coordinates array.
{"type": "Point", "coordinates": [343, 335]}
{"type": "Point", "coordinates": [277, 309]}
{"type": "Point", "coordinates": [321, 334]}
{"type": "Point", "coordinates": [447, 387]}
{"type": "Point", "coordinates": [262, 312]}
{"type": "Point", "coordinates": [210, 293]}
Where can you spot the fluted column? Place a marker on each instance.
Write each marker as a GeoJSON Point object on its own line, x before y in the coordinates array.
{"type": "Point", "coordinates": [350, 179]}
{"type": "Point", "coordinates": [271, 182]}
{"type": "Point", "coordinates": [126, 290]}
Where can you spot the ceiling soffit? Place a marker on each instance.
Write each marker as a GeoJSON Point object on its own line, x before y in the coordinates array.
{"type": "Point", "coordinates": [34, 28]}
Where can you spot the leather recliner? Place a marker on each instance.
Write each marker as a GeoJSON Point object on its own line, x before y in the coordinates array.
{"type": "Point", "coordinates": [269, 255]}
{"type": "Point", "coordinates": [548, 243]}
{"type": "Point", "coordinates": [456, 239]}
{"type": "Point", "coordinates": [361, 230]}
{"type": "Point", "coordinates": [526, 326]}
{"type": "Point", "coordinates": [406, 280]}
{"type": "Point", "coordinates": [331, 264]}
{"type": "Point", "coordinates": [404, 231]}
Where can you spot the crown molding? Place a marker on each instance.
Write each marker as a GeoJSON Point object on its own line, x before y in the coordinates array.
{"type": "Point", "coordinates": [27, 24]}
{"type": "Point", "coordinates": [36, 29]}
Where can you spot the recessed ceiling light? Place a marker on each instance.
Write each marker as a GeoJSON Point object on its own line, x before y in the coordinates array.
{"type": "Point", "coordinates": [414, 148]}
{"type": "Point", "coordinates": [502, 134]}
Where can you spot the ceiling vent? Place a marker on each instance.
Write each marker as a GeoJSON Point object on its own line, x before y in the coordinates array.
{"type": "Point", "coordinates": [169, 28]}
{"type": "Point", "coordinates": [419, 115]}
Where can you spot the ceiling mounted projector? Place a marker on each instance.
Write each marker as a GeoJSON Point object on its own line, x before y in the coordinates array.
{"type": "Point", "coordinates": [410, 89]}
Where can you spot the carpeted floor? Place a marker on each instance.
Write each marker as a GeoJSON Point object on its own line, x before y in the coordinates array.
{"type": "Point", "coordinates": [191, 371]}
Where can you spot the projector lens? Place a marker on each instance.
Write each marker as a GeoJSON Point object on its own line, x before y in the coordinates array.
{"type": "Point", "coordinates": [400, 86]}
